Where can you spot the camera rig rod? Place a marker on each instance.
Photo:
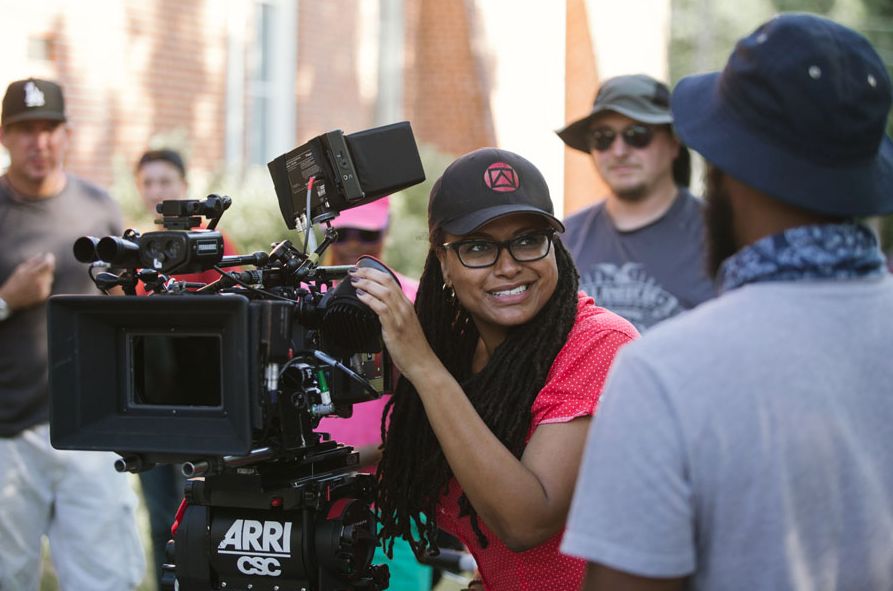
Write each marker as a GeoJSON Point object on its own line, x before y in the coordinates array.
{"type": "Point", "coordinates": [261, 454]}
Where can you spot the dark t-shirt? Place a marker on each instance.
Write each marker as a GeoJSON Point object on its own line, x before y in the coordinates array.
{"type": "Point", "coordinates": [28, 228]}
{"type": "Point", "coordinates": [648, 274]}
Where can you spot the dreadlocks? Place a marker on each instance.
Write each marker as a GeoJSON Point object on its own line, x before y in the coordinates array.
{"type": "Point", "coordinates": [414, 473]}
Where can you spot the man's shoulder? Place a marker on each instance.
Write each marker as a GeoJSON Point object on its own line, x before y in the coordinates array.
{"type": "Point", "coordinates": [690, 203]}
{"type": "Point", "coordinates": [87, 188]}
{"type": "Point", "coordinates": [5, 195]}
{"type": "Point", "coordinates": [81, 193]}
{"type": "Point", "coordinates": [586, 213]}
{"type": "Point", "coordinates": [583, 219]}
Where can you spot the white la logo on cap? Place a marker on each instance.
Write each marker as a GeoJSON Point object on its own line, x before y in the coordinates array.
{"type": "Point", "coordinates": [33, 96]}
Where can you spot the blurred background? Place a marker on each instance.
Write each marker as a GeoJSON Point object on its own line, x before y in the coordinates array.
{"type": "Point", "coordinates": [235, 83]}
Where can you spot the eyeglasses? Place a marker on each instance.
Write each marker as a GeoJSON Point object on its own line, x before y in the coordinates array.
{"type": "Point", "coordinates": [634, 136]}
{"type": "Point", "coordinates": [478, 253]}
{"type": "Point", "coordinates": [368, 236]}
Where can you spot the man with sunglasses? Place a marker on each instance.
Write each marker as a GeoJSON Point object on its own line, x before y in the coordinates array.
{"type": "Point", "coordinates": [362, 232]}
{"type": "Point", "coordinates": [640, 249]}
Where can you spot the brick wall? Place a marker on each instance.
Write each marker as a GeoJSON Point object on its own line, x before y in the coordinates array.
{"type": "Point", "coordinates": [132, 70]}
{"type": "Point", "coordinates": [582, 184]}
{"type": "Point", "coordinates": [445, 86]}
{"type": "Point", "coordinates": [136, 69]}
{"type": "Point", "coordinates": [328, 90]}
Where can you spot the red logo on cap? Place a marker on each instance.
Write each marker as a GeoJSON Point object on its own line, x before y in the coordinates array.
{"type": "Point", "coordinates": [501, 177]}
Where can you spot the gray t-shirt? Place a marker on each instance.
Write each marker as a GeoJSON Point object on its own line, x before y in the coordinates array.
{"type": "Point", "coordinates": [646, 275]}
{"type": "Point", "coordinates": [750, 442]}
{"type": "Point", "coordinates": [28, 228]}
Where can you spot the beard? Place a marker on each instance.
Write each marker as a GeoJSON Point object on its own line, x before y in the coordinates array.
{"type": "Point", "coordinates": [632, 194]}
{"type": "Point", "coordinates": [718, 221]}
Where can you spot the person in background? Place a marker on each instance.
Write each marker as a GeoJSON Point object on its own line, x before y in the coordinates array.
{"type": "Point", "coordinates": [161, 175]}
{"type": "Point", "coordinates": [75, 498]}
{"type": "Point", "coordinates": [639, 250]}
{"type": "Point", "coordinates": [362, 231]}
{"type": "Point", "coordinates": [747, 444]}
{"type": "Point", "coordinates": [501, 364]}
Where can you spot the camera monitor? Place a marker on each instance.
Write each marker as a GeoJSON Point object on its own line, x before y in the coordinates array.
{"type": "Point", "coordinates": [155, 375]}
{"type": "Point", "coordinates": [348, 170]}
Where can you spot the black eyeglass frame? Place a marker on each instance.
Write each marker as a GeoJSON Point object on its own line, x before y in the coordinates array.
{"type": "Point", "coordinates": [634, 135]}
{"type": "Point", "coordinates": [549, 234]}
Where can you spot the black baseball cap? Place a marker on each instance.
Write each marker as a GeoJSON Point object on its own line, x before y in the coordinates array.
{"type": "Point", "coordinates": [486, 184]}
{"type": "Point", "coordinates": [33, 99]}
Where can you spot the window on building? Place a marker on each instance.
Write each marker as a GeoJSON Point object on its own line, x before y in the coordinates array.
{"type": "Point", "coordinates": [268, 97]}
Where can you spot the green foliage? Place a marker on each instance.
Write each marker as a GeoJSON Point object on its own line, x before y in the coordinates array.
{"type": "Point", "coordinates": [878, 27]}
{"type": "Point", "coordinates": [816, 6]}
{"type": "Point", "coordinates": [253, 222]}
{"type": "Point", "coordinates": [704, 32]}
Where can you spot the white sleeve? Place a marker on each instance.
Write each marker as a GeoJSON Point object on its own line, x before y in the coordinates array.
{"type": "Point", "coordinates": [632, 508]}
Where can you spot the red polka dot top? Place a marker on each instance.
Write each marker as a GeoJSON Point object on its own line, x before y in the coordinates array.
{"type": "Point", "coordinates": [572, 390]}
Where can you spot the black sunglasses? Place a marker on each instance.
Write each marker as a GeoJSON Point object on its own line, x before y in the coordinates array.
{"type": "Point", "coordinates": [634, 136]}
{"type": "Point", "coordinates": [345, 234]}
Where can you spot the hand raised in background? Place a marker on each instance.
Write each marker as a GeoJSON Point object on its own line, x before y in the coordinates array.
{"type": "Point", "coordinates": [30, 283]}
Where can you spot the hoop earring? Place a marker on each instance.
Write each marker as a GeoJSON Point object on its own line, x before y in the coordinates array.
{"type": "Point", "coordinates": [448, 293]}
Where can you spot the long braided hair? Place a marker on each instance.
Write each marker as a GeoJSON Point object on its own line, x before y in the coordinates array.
{"type": "Point", "coordinates": [413, 473]}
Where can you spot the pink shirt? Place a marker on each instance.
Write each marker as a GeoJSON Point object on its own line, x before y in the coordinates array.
{"type": "Point", "coordinates": [572, 390]}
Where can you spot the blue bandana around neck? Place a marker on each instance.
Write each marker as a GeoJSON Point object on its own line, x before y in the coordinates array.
{"type": "Point", "coordinates": [826, 251]}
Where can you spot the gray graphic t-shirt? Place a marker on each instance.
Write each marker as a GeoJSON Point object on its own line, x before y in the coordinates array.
{"type": "Point", "coordinates": [645, 275]}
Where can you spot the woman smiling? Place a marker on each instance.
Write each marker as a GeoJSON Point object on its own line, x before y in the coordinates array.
{"type": "Point", "coordinates": [501, 362]}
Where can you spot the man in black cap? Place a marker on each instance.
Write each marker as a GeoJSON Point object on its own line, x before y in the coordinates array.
{"type": "Point", "coordinates": [639, 250]}
{"type": "Point", "coordinates": [75, 498]}
{"type": "Point", "coordinates": [746, 445]}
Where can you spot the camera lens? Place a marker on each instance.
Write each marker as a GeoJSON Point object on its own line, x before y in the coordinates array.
{"type": "Point", "coordinates": [153, 248]}
{"type": "Point", "coordinates": [174, 249]}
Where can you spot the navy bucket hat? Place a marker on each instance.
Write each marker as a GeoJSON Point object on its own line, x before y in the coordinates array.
{"type": "Point", "coordinates": [799, 112]}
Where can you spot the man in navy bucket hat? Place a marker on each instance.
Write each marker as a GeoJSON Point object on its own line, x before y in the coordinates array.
{"type": "Point", "coordinates": [746, 444]}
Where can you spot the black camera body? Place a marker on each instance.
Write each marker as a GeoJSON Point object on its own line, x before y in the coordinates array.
{"type": "Point", "coordinates": [177, 249]}
{"type": "Point", "coordinates": [231, 379]}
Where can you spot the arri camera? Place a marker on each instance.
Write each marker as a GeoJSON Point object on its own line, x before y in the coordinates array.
{"type": "Point", "coordinates": [231, 379]}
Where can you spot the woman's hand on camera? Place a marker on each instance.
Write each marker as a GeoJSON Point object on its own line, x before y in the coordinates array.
{"type": "Point", "coordinates": [400, 328]}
